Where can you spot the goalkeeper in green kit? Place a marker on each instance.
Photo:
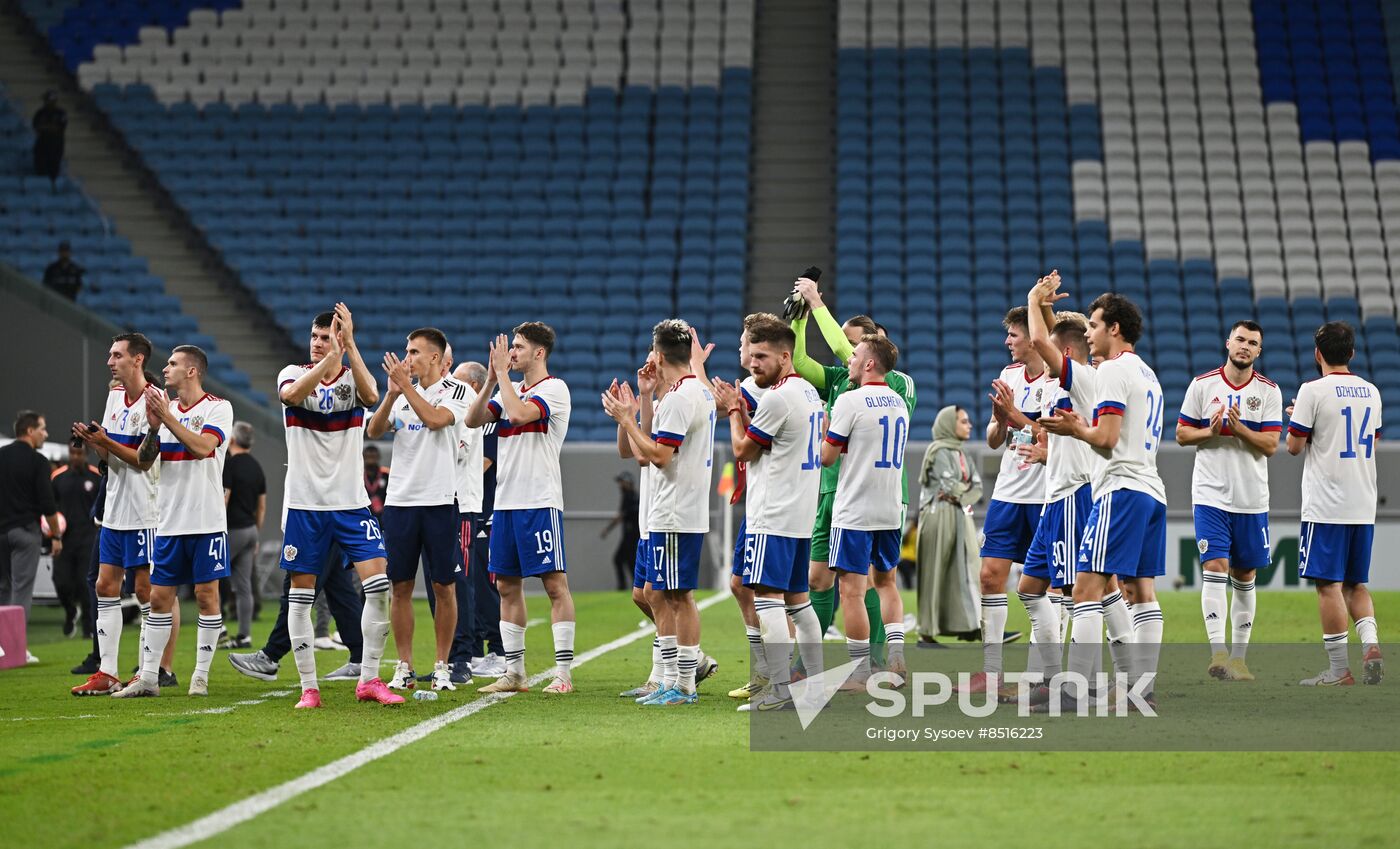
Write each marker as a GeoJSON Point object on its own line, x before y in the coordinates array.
{"type": "Point", "coordinates": [831, 381]}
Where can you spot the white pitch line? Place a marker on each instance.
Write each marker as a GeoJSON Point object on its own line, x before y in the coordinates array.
{"type": "Point", "coordinates": [246, 809]}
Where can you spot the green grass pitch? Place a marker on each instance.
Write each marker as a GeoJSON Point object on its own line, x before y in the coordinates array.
{"type": "Point", "coordinates": [593, 770]}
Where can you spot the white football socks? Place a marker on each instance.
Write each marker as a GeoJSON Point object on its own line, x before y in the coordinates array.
{"type": "Point", "coordinates": [513, 643]}
{"type": "Point", "coordinates": [1242, 606]}
{"type": "Point", "coordinates": [994, 612]}
{"type": "Point", "coordinates": [1213, 608]}
{"type": "Point", "coordinates": [109, 634]}
{"type": "Point", "coordinates": [301, 633]}
{"type": "Point", "coordinates": [374, 626]}
{"type": "Point", "coordinates": [563, 649]}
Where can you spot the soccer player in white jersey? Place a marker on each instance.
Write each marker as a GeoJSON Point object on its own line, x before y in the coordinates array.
{"type": "Point", "coordinates": [681, 450]}
{"type": "Point", "coordinates": [1334, 423]}
{"type": "Point", "coordinates": [749, 393]}
{"type": "Point", "coordinates": [1233, 416]}
{"type": "Point", "coordinates": [782, 445]}
{"type": "Point", "coordinates": [527, 540]}
{"type": "Point", "coordinates": [127, 538]}
{"type": "Point", "coordinates": [1019, 493]}
{"type": "Point", "coordinates": [648, 599]}
{"type": "Point", "coordinates": [870, 425]}
{"type": "Point", "coordinates": [424, 408]}
{"type": "Point", "coordinates": [324, 404]}
{"type": "Point", "coordinates": [189, 436]}
{"type": "Point", "coordinates": [1126, 534]}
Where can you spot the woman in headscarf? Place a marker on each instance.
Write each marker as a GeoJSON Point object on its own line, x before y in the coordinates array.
{"type": "Point", "coordinates": [948, 562]}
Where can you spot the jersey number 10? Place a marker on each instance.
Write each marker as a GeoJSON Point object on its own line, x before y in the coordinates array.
{"type": "Point", "coordinates": [901, 434]}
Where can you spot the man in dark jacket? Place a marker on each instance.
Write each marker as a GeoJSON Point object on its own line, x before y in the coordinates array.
{"type": "Point", "coordinates": [25, 495]}
{"type": "Point", "coordinates": [50, 127]}
{"type": "Point", "coordinates": [75, 488]}
{"type": "Point", "coordinates": [63, 275]}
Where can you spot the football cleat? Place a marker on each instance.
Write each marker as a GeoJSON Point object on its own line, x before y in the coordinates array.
{"type": "Point", "coordinates": [772, 701]}
{"type": "Point", "coordinates": [750, 689]}
{"type": "Point", "coordinates": [1219, 662]}
{"type": "Point", "coordinates": [675, 697]}
{"type": "Point", "coordinates": [1237, 670]}
{"type": "Point", "coordinates": [310, 698]}
{"type": "Point", "coordinates": [199, 685]}
{"type": "Point", "coordinates": [98, 683]}
{"type": "Point", "coordinates": [1373, 668]}
{"type": "Point", "coordinates": [403, 677]}
{"type": "Point", "coordinates": [708, 667]}
{"type": "Point", "coordinates": [375, 691]}
{"type": "Point", "coordinates": [442, 676]}
{"type": "Point", "coordinates": [256, 665]}
{"type": "Point", "coordinates": [137, 689]}
{"type": "Point", "coordinates": [978, 683]}
{"type": "Point", "coordinates": [1330, 679]}
{"type": "Point", "coordinates": [659, 697]}
{"type": "Point", "coordinates": [508, 683]}
{"type": "Point", "coordinates": [643, 692]}
{"type": "Point", "coordinates": [560, 686]}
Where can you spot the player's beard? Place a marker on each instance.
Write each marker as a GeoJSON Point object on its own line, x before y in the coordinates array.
{"type": "Point", "coordinates": [1241, 365]}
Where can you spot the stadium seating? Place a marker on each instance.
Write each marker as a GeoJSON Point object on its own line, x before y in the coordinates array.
{"type": "Point", "coordinates": [1209, 159]}
{"type": "Point", "coordinates": [34, 218]}
{"type": "Point", "coordinates": [451, 163]}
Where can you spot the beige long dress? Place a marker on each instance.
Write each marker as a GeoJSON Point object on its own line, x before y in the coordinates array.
{"type": "Point", "coordinates": [948, 563]}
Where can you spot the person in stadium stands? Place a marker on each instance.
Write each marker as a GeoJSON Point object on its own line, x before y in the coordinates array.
{"type": "Point", "coordinates": [26, 495]}
{"type": "Point", "coordinates": [950, 485]}
{"type": "Point", "coordinates": [127, 539]}
{"type": "Point", "coordinates": [680, 448]}
{"type": "Point", "coordinates": [63, 275]}
{"type": "Point", "coordinates": [1334, 423]}
{"type": "Point", "coordinates": [324, 403]}
{"type": "Point", "coordinates": [869, 425]}
{"type": "Point", "coordinates": [245, 499]}
{"type": "Point", "coordinates": [50, 129]}
{"type": "Point", "coordinates": [831, 382]}
{"type": "Point", "coordinates": [528, 538]}
{"type": "Point", "coordinates": [75, 488]}
{"type": "Point", "coordinates": [1127, 526]}
{"type": "Point", "coordinates": [628, 519]}
{"type": "Point", "coordinates": [423, 409]}
{"type": "Point", "coordinates": [1233, 416]}
{"type": "Point", "coordinates": [1019, 492]}
{"type": "Point", "coordinates": [188, 434]}
{"type": "Point", "coordinates": [1071, 384]}
{"type": "Point", "coordinates": [376, 479]}
{"type": "Point", "coordinates": [781, 444]}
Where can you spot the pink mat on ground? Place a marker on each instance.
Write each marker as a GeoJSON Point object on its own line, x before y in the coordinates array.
{"type": "Point", "coordinates": [12, 637]}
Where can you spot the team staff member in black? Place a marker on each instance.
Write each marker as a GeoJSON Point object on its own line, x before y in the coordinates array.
{"type": "Point", "coordinates": [75, 488]}
{"type": "Point", "coordinates": [26, 493]}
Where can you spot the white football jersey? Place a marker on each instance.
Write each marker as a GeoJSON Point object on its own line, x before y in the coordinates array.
{"type": "Point", "coordinates": [1017, 485]}
{"type": "Point", "coordinates": [680, 495]}
{"type": "Point", "coordinates": [470, 458]}
{"type": "Point", "coordinates": [1129, 388]}
{"type": "Point", "coordinates": [1229, 475]}
{"type": "Point", "coordinates": [191, 487]}
{"type": "Point", "coordinates": [325, 440]}
{"type": "Point", "coordinates": [528, 455]}
{"type": "Point", "coordinates": [423, 470]}
{"type": "Point", "coordinates": [131, 493]}
{"type": "Point", "coordinates": [871, 425]}
{"type": "Point", "coordinates": [783, 481]}
{"type": "Point", "coordinates": [1069, 463]}
{"type": "Point", "coordinates": [751, 392]}
{"type": "Point", "coordinates": [1340, 414]}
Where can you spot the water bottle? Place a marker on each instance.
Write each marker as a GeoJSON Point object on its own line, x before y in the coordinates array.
{"type": "Point", "coordinates": [425, 695]}
{"type": "Point", "coordinates": [1024, 436]}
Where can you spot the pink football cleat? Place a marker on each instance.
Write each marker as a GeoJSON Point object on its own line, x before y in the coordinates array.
{"type": "Point", "coordinates": [375, 691]}
{"type": "Point", "coordinates": [310, 698]}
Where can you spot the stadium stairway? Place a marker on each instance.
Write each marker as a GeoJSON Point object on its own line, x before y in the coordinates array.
{"type": "Point", "coordinates": [790, 226]}
{"type": "Point", "coordinates": [140, 212]}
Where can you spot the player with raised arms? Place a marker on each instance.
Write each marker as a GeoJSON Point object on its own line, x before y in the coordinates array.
{"type": "Point", "coordinates": [781, 444]}
{"type": "Point", "coordinates": [127, 539]}
{"type": "Point", "coordinates": [189, 436]}
{"type": "Point", "coordinates": [324, 405]}
{"type": "Point", "coordinates": [1019, 493]}
{"type": "Point", "coordinates": [1126, 533]}
{"type": "Point", "coordinates": [1334, 423]}
{"type": "Point", "coordinates": [869, 425]}
{"type": "Point", "coordinates": [527, 539]}
{"type": "Point", "coordinates": [680, 449]}
{"type": "Point", "coordinates": [1232, 416]}
{"type": "Point", "coordinates": [424, 408]}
